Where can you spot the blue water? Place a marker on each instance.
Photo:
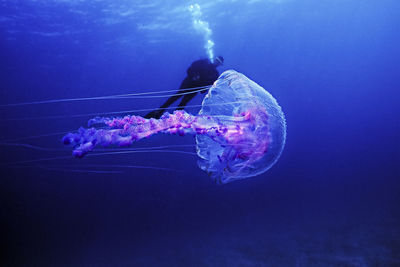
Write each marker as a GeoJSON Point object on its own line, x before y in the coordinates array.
{"type": "Point", "coordinates": [331, 200]}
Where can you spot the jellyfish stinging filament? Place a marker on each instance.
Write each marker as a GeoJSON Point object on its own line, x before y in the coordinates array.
{"type": "Point", "coordinates": [240, 129]}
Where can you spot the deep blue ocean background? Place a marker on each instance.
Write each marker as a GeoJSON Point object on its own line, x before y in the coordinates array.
{"type": "Point", "coordinates": [331, 200]}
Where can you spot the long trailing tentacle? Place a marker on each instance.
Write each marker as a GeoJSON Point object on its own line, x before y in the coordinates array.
{"type": "Point", "coordinates": [153, 94]}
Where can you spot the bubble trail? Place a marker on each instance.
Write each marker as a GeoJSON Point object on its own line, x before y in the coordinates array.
{"type": "Point", "coordinates": [203, 28]}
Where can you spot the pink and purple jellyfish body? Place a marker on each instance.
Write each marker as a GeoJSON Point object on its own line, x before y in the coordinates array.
{"type": "Point", "coordinates": [240, 129]}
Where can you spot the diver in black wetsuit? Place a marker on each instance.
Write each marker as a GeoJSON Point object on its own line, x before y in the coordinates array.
{"type": "Point", "coordinates": [201, 73]}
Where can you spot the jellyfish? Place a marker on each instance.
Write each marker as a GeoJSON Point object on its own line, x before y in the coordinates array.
{"type": "Point", "coordinates": [240, 129]}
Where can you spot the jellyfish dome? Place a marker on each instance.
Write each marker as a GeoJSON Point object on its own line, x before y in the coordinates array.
{"type": "Point", "coordinates": [240, 130]}
{"type": "Point", "coordinates": [260, 138]}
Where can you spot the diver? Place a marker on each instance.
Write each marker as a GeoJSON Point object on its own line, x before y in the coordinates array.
{"type": "Point", "coordinates": [200, 73]}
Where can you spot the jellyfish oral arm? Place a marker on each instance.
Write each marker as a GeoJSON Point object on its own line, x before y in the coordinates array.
{"type": "Point", "coordinates": [126, 130]}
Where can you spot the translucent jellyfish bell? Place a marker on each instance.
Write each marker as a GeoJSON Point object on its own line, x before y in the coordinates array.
{"type": "Point", "coordinates": [263, 141]}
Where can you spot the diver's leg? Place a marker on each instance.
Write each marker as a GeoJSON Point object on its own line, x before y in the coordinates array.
{"type": "Point", "coordinates": [185, 100]}
{"type": "Point", "coordinates": [158, 112]}
{"type": "Point", "coordinates": [171, 100]}
{"type": "Point", "coordinates": [185, 85]}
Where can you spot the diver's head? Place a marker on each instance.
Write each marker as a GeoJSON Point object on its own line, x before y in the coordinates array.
{"type": "Point", "coordinates": [218, 61]}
